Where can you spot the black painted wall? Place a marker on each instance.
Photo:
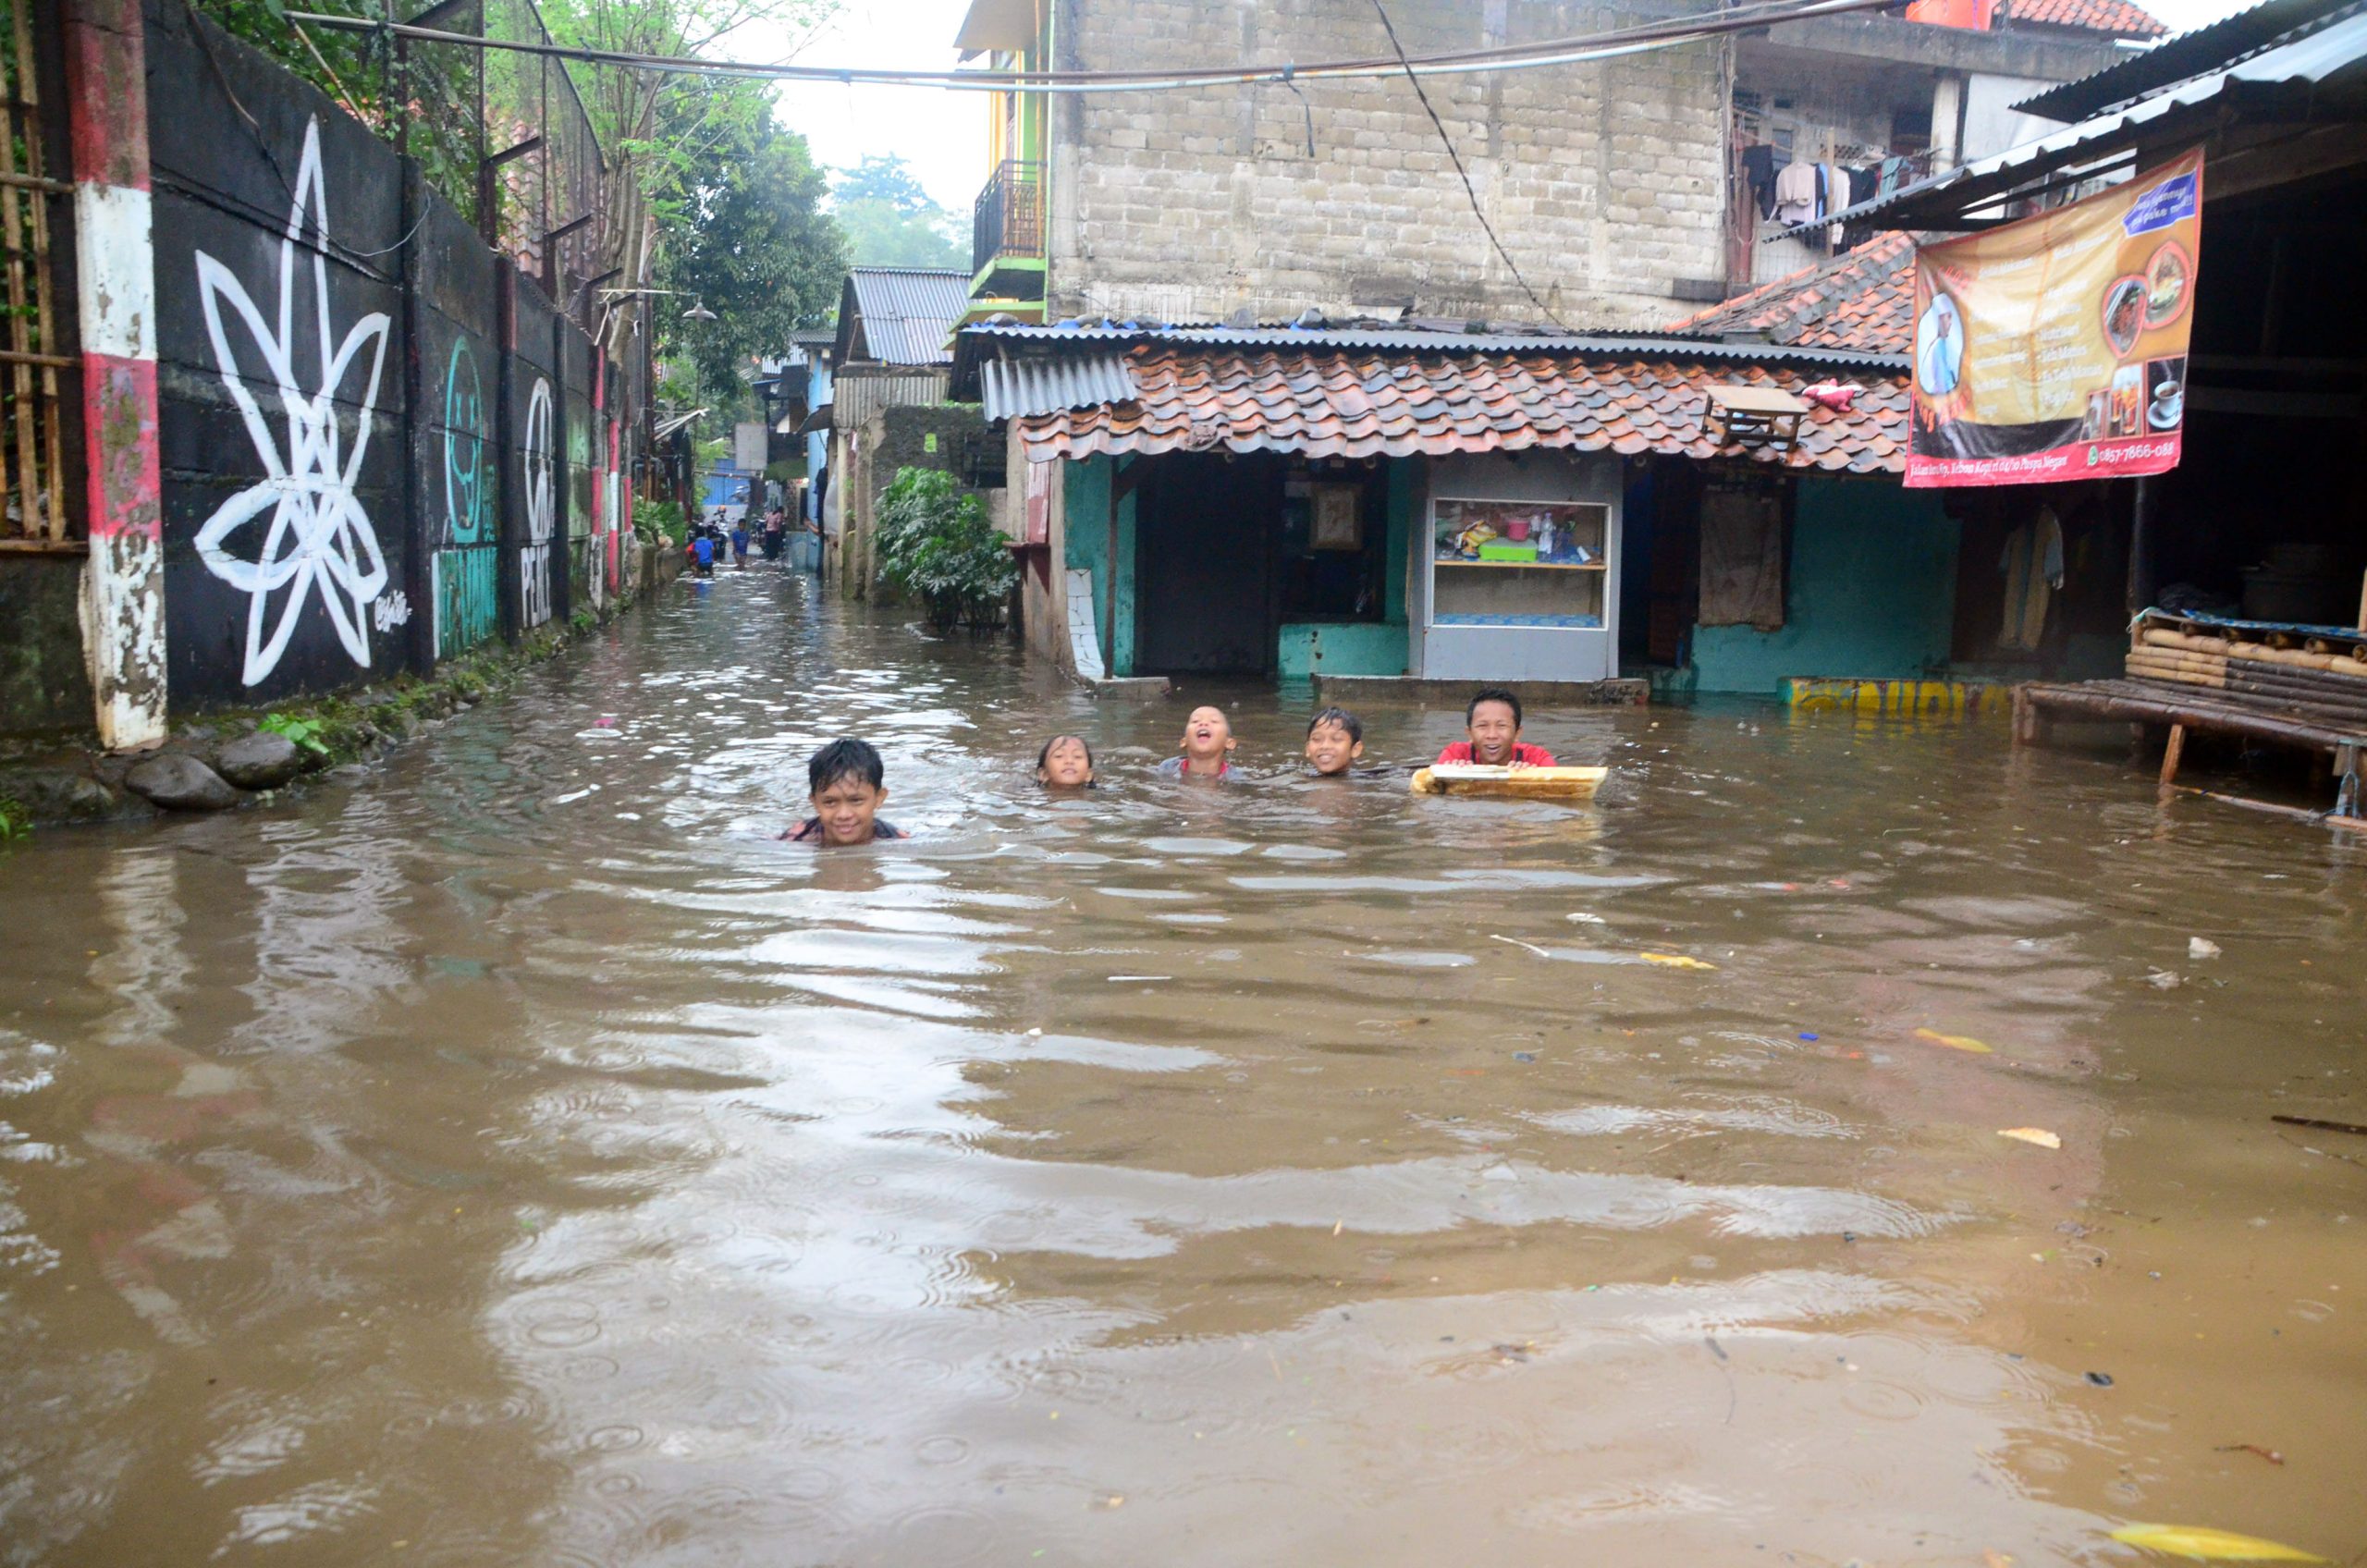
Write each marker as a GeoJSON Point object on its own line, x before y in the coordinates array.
{"type": "Point", "coordinates": [345, 387]}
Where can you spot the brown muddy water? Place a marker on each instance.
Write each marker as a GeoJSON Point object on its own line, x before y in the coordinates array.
{"type": "Point", "coordinates": [514, 1156]}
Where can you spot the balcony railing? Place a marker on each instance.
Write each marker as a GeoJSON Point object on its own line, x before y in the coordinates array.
{"type": "Point", "coordinates": [1009, 218]}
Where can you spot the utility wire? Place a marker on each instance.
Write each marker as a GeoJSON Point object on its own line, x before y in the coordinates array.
{"type": "Point", "coordinates": [1553, 51]}
{"type": "Point", "coordinates": [1456, 159]}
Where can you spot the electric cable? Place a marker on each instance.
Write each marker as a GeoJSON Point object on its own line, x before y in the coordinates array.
{"type": "Point", "coordinates": [1456, 159]}
{"type": "Point", "coordinates": [1576, 50]}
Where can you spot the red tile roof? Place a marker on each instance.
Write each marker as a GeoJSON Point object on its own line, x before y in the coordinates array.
{"type": "Point", "coordinates": [1345, 403]}
{"type": "Point", "coordinates": [2116, 18]}
{"type": "Point", "coordinates": [1864, 300]}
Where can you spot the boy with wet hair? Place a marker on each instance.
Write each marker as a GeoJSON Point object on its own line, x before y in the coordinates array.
{"type": "Point", "coordinates": [1491, 719]}
{"type": "Point", "coordinates": [845, 781]}
{"type": "Point", "coordinates": [1335, 740]}
{"type": "Point", "coordinates": [1208, 736]}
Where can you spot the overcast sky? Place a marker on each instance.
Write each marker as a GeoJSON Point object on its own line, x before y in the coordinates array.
{"type": "Point", "coordinates": [942, 135]}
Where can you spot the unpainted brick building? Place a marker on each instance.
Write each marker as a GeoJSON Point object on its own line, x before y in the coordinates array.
{"type": "Point", "coordinates": [1604, 179]}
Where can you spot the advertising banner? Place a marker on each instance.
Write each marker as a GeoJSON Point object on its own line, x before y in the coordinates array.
{"type": "Point", "coordinates": [2055, 348]}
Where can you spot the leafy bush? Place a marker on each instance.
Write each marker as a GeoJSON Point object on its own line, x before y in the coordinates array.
{"type": "Point", "coordinates": [662, 520]}
{"type": "Point", "coordinates": [936, 545]}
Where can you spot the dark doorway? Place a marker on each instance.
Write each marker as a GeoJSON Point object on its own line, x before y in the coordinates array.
{"type": "Point", "coordinates": [1205, 530]}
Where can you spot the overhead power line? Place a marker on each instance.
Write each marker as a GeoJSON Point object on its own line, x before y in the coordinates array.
{"type": "Point", "coordinates": [1527, 56]}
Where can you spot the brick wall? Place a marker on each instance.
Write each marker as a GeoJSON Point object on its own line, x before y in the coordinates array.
{"type": "Point", "coordinates": [1606, 181]}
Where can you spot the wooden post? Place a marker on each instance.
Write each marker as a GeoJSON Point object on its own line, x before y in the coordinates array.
{"type": "Point", "coordinates": [2171, 753]}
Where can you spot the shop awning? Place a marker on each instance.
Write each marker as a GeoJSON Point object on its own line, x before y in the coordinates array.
{"type": "Point", "coordinates": [1341, 403]}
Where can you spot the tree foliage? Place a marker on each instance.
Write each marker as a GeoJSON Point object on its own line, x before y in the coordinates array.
{"type": "Point", "coordinates": [936, 543]}
{"type": "Point", "coordinates": [752, 245]}
{"type": "Point", "coordinates": [890, 221]}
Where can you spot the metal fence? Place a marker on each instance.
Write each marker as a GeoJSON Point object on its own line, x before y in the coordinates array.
{"type": "Point", "coordinates": [1008, 218]}
{"type": "Point", "coordinates": [32, 411]}
{"type": "Point", "coordinates": [505, 137]}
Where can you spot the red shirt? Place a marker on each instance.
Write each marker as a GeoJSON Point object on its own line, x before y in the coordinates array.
{"type": "Point", "coordinates": [1523, 754]}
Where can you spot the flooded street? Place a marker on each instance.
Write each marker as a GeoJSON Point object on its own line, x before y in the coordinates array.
{"type": "Point", "coordinates": [512, 1154]}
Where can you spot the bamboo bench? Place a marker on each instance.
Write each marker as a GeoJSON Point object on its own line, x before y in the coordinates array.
{"type": "Point", "coordinates": [2139, 701]}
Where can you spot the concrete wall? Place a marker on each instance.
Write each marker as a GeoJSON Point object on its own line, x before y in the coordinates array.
{"type": "Point", "coordinates": [1870, 593]}
{"type": "Point", "coordinates": [43, 681]}
{"type": "Point", "coordinates": [1606, 181]}
{"type": "Point", "coordinates": [303, 553]}
{"type": "Point", "coordinates": [893, 438]}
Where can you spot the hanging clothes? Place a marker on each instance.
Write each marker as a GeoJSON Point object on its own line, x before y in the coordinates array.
{"type": "Point", "coordinates": [1891, 176]}
{"type": "Point", "coordinates": [2032, 564]}
{"type": "Point", "coordinates": [1759, 178]}
{"type": "Point", "coordinates": [1864, 184]}
{"type": "Point", "coordinates": [1796, 194]}
{"type": "Point", "coordinates": [1837, 196]}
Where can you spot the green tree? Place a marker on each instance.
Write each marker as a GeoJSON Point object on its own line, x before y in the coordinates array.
{"type": "Point", "coordinates": [889, 220]}
{"type": "Point", "coordinates": [754, 247]}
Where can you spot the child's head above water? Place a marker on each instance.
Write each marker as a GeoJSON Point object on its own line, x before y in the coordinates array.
{"type": "Point", "coordinates": [1065, 763]}
{"type": "Point", "coordinates": [1207, 735]}
{"type": "Point", "coordinates": [844, 778]}
{"type": "Point", "coordinates": [1492, 721]}
{"type": "Point", "coordinates": [1335, 738]}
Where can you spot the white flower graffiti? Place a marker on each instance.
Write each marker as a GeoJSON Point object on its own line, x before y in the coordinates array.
{"type": "Point", "coordinates": [536, 456]}
{"type": "Point", "coordinates": [309, 529]}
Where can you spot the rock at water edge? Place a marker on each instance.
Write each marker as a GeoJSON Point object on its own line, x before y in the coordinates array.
{"type": "Point", "coordinates": [180, 783]}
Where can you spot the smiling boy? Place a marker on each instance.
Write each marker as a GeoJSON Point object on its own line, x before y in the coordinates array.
{"type": "Point", "coordinates": [1492, 721]}
{"type": "Point", "coordinates": [1208, 736]}
{"type": "Point", "coordinates": [1335, 740]}
{"type": "Point", "coordinates": [844, 778]}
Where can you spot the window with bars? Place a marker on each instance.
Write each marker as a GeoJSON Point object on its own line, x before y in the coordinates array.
{"type": "Point", "coordinates": [32, 404]}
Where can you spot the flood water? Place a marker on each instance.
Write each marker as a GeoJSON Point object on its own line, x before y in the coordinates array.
{"type": "Point", "coordinates": [510, 1154]}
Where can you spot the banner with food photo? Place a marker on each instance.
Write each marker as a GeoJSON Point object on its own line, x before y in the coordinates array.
{"type": "Point", "coordinates": [2055, 348]}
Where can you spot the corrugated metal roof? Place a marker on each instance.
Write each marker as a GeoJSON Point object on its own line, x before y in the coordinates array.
{"type": "Point", "coordinates": [2333, 53]}
{"type": "Point", "coordinates": [2174, 59]}
{"type": "Point", "coordinates": [1040, 385]}
{"type": "Point", "coordinates": [1343, 404]}
{"type": "Point", "coordinates": [862, 391]}
{"type": "Point", "coordinates": [908, 313]}
{"type": "Point", "coordinates": [1398, 340]}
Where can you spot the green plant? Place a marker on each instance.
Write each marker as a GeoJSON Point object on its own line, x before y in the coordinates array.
{"type": "Point", "coordinates": [663, 519]}
{"type": "Point", "coordinates": [306, 734]}
{"type": "Point", "coordinates": [936, 543]}
{"type": "Point", "coordinates": [15, 822]}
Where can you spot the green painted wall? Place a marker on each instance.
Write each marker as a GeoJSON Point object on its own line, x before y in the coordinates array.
{"type": "Point", "coordinates": [1352, 648]}
{"type": "Point", "coordinates": [1871, 593]}
{"type": "Point", "coordinates": [1085, 503]}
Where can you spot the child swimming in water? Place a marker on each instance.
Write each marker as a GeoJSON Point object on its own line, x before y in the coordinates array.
{"type": "Point", "coordinates": [845, 778]}
{"type": "Point", "coordinates": [1065, 763]}
{"type": "Point", "coordinates": [1492, 721]}
{"type": "Point", "coordinates": [1208, 736]}
{"type": "Point", "coordinates": [1335, 740]}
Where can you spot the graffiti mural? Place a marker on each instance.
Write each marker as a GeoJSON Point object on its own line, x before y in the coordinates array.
{"type": "Point", "coordinates": [466, 607]}
{"type": "Point", "coordinates": [465, 434]}
{"type": "Point", "coordinates": [300, 527]}
{"type": "Point", "coordinates": [536, 456]}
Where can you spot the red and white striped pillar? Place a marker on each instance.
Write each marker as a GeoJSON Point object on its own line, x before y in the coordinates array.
{"type": "Point", "coordinates": [123, 586]}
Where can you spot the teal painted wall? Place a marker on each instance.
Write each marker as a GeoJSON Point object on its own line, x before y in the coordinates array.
{"type": "Point", "coordinates": [1085, 510]}
{"type": "Point", "coordinates": [1871, 593]}
{"type": "Point", "coordinates": [1354, 647]}
{"type": "Point", "coordinates": [1401, 534]}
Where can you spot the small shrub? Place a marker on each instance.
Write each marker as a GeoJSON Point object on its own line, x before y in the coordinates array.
{"type": "Point", "coordinates": [306, 734]}
{"type": "Point", "coordinates": [936, 545]}
{"type": "Point", "coordinates": [15, 822]}
{"type": "Point", "coordinates": [661, 521]}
